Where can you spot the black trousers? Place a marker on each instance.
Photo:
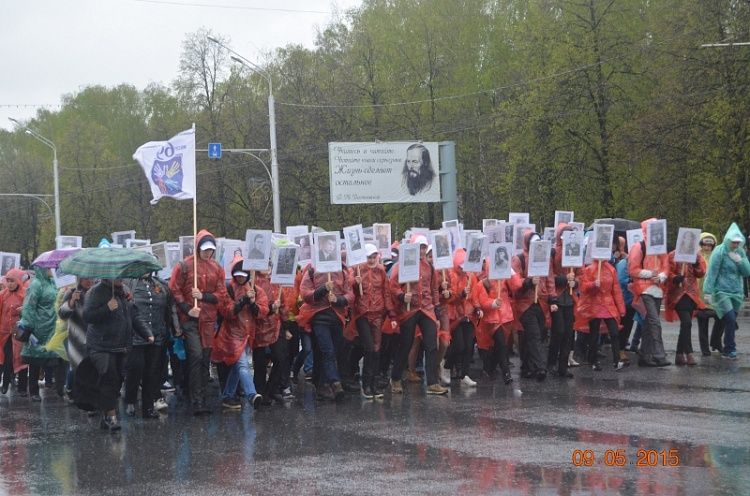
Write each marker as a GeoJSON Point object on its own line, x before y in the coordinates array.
{"type": "Point", "coordinates": [497, 356]}
{"type": "Point", "coordinates": [627, 326]}
{"type": "Point", "coordinates": [198, 363]}
{"type": "Point", "coordinates": [388, 347]}
{"type": "Point", "coordinates": [532, 321]}
{"type": "Point", "coordinates": [31, 378]}
{"type": "Point", "coordinates": [7, 369]}
{"type": "Point", "coordinates": [429, 344]}
{"type": "Point", "coordinates": [561, 339]}
{"type": "Point", "coordinates": [461, 349]}
{"type": "Point", "coordinates": [716, 332]}
{"type": "Point", "coordinates": [143, 369]}
{"type": "Point", "coordinates": [594, 325]}
{"type": "Point", "coordinates": [685, 308]}
{"type": "Point", "coordinates": [110, 367]}
{"type": "Point", "coordinates": [268, 384]}
{"type": "Point", "coordinates": [367, 346]}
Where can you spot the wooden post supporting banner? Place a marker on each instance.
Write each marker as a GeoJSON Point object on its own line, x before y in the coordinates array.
{"type": "Point", "coordinates": [408, 290]}
{"type": "Point", "coordinates": [569, 288]}
{"type": "Point", "coordinates": [359, 274]}
{"type": "Point", "coordinates": [599, 272]}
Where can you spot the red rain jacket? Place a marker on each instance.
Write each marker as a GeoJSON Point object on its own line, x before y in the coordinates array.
{"type": "Point", "coordinates": [237, 329]}
{"type": "Point", "coordinates": [689, 286]}
{"type": "Point", "coordinates": [267, 324]}
{"type": "Point", "coordinates": [10, 313]}
{"type": "Point", "coordinates": [462, 303]}
{"type": "Point", "coordinates": [524, 298]}
{"type": "Point", "coordinates": [638, 260]}
{"type": "Point", "coordinates": [210, 280]}
{"type": "Point", "coordinates": [593, 301]}
{"type": "Point", "coordinates": [311, 280]}
{"type": "Point", "coordinates": [425, 293]}
{"type": "Point", "coordinates": [376, 301]}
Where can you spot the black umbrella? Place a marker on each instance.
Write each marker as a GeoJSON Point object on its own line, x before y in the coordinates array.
{"type": "Point", "coordinates": [621, 225]}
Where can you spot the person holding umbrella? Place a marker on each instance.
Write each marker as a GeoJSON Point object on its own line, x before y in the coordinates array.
{"type": "Point", "coordinates": [111, 318]}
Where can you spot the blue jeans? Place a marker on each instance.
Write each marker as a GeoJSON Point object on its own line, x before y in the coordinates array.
{"type": "Point", "coordinates": [730, 326]}
{"type": "Point", "coordinates": [330, 341]}
{"type": "Point", "coordinates": [304, 358]}
{"type": "Point", "coordinates": [240, 374]}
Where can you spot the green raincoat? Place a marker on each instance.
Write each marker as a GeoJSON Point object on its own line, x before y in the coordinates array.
{"type": "Point", "coordinates": [38, 313]}
{"type": "Point", "coordinates": [724, 278]}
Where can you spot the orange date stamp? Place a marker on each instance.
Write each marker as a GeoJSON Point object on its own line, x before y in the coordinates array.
{"type": "Point", "coordinates": [618, 458]}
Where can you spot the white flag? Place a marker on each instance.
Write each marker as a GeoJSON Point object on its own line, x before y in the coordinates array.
{"type": "Point", "coordinates": [170, 166]}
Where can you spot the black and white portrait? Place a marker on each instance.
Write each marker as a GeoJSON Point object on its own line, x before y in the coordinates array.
{"type": "Point", "coordinates": [121, 237]}
{"type": "Point", "coordinates": [418, 173]}
{"type": "Point", "coordinates": [187, 246]}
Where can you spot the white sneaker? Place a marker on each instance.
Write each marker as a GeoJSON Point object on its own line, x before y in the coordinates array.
{"type": "Point", "coordinates": [619, 365]}
{"type": "Point", "coordinates": [445, 375]}
{"type": "Point", "coordinates": [160, 404]}
{"type": "Point", "coordinates": [572, 361]}
{"type": "Point", "coordinates": [467, 381]}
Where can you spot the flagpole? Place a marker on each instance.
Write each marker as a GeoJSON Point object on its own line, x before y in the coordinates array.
{"type": "Point", "coordinates": [196, 250]}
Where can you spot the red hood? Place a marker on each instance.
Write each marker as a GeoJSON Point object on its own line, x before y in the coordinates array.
{"type": "Point", "coordinates": [15, 274]}
{"type": "Point", "coordinates": [458, 258]}
{"type": "Point", "coordinates": [203, 233]}
{"type": "Point", "coordinates": [561, 227]}
{"type": "Point", "coordinates": [527, 234]}
{"type": "Point", "coordinates": [645, 223]}
{"type": "Point", "coordinates": [237, 260]}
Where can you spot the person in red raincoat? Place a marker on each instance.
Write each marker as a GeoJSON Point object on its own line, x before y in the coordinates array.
{"type": "Point", "coordinates": [199, 321]}
{"type": "Point", "coordinates": [11, 301]}
{"type": "Point", "coordinates": [326, 297]}
{"type": "Point", "coordinates": [236, 334]}
{"type": "Point", "coordinates": [270, 344]}
{"type": "Point", "coordinates": [648, 274]}
{"type": "Point", "coordinates": [416, 307]}
{"type": "Point", "coordinates": [464, 313]}
{"type": "Point", "coordinates": [600, 302]}
{"type": "Point", "coordinates": [493, 298]}
{"type": "Point", "coordinates": [683, 301]}
{"type": "Point", "coordinates": [533, 299]}
{"type": "Point", "coordinates": [561, 339]}
{"type": "Point", "coordinates": [372, 304]}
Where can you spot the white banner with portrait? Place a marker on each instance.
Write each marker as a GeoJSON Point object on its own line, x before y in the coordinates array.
{"type": "Point", "coordinates": [390, 172]}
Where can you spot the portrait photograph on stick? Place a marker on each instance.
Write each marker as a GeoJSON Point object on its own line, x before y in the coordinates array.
{"type": "Point", "coordinates": [499, 257]}
{"type": "Point", "coordinates": [474, 255]}
{"type": "Point", "coordinates": [284, 267]}
{"type": "Point", "coordinates": [63, 242]}
{"type": "Point", "coordinates": [688, 245]}
{"type": "Point", "coordinates": [603, 237]}
{"type": "Point", "coordinates": [633, 236]}
{"type": "Point", "coordinates": [120, 237]}
{"type": "Point", "coordinates": [355, 245]}
{"type": "Point", "coordinates": [383, 237]}
{"type": "Point", "coordinates": [257, 249]}
{"type": "Point", "coordinates": [656, 237]}
{"type": "Point", "coordinates": [441, 250]}
{"type": "Point", "coordinates": [572, 246]}
{"type": "Point", "coordinates": [327, 252]}
{"type": "Point", "coordinates": [304, 241]}
{"type": "Point", "coordinates": [519, 218]}
{"type": "Point", "coordinates": [408, 263]}
{"type": "Point", "coordinates": [563, 216]}
{"type": "Point", "coordinates": [518, 230]}
{"type": "Point", "coordinates": [539, 257]}
{"type": "Point", "coordinates": [187, 246]}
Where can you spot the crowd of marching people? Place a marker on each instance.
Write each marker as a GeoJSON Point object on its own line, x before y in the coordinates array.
{"type": "Point", "coordinates": [356, 330]}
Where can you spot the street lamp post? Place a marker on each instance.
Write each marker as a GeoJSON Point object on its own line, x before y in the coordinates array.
{"type": "Point", "coordinates": [55, 175]}
{"type": "Point", "coordinates": [271, 130]}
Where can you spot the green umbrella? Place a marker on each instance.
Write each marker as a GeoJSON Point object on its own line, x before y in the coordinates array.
{"type": "Point", "coordinates": [110, 263]}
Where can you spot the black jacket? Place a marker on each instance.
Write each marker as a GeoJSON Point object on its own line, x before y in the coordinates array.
{"type": "Point", "coordinates": [107, 330]}
{"type": "Point", "coordinates": [156, 309]}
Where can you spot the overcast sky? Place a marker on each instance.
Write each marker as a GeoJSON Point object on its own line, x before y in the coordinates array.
{"type": "Point", "coordinates": [54, 47]}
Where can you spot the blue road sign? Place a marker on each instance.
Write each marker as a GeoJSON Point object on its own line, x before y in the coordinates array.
{"type": "Point", "coordinates": [214, 150]}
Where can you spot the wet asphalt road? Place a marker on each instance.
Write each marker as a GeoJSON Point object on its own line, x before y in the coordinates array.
{"type": "Point", "coordinates": [492, 440]}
